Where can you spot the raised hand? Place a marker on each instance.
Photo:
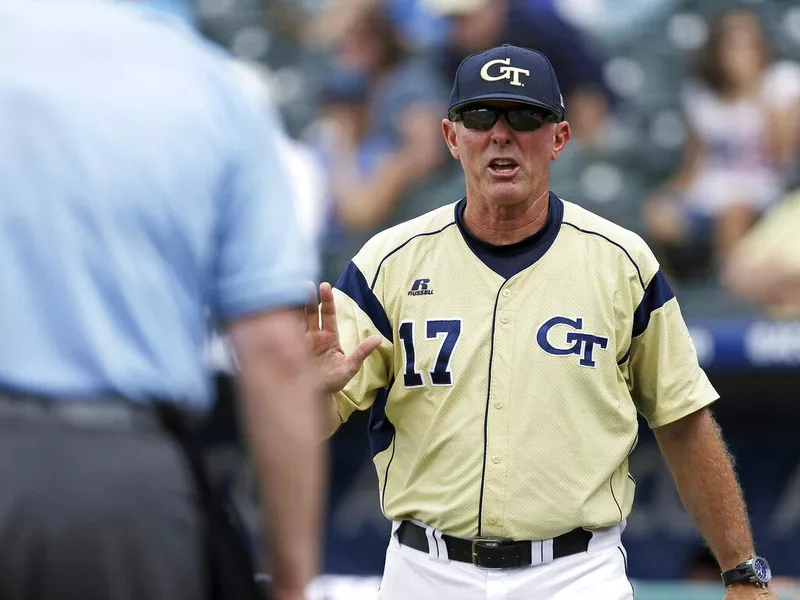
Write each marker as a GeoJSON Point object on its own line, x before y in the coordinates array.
{"type": "Point", "coordinates": [333, 367]}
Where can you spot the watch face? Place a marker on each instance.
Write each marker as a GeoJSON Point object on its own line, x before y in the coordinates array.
{"type": "Point", "coordinates": [761, 569]}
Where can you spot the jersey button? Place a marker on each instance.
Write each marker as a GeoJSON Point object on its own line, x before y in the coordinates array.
{"type": "Point", "coordinates": [493, 520]}
{"type": "Point", "coordinates": [506, 293]}
{"type": "Point", "coordinates": [496, 459]}
{"type": "Point", "coordinates": [504, 320]}
{"type": "Point", "coordinates": [498, 404]}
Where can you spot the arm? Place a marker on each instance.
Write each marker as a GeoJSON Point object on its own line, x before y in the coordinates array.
{"type": "Point", "coordinates": [693, 153]}
{"type": "Point", "coordinates": [672, 392]}
{"type": "Point", "coordinates": [765, 282]}
{"type": "Point", "coordinates": [763, 267]}
{"type": "Point", "coordinates": [282, 423]}
{"type": "Point", "coordinates": [703, 471]}
{"type": "Point", "coordinates": [588, 114]}
{"type": "Point", "coordinates": [361, 203]}
{"type": "Point", "coordinates": [782, 133]}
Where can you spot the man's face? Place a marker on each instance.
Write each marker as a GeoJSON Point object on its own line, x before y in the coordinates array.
{"type": "Point", "coordinates": [502, 165]}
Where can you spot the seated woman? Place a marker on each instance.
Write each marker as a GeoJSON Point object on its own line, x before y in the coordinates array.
{"type": "Point", "coordinates": [742, 120]}
{"type": "Point", "coordinates": [381, 141]}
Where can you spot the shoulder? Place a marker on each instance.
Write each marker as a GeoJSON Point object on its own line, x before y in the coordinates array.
{"type": "Point", "coordinates": [416, 80]}
{"type": "Point", "coordinates": [404, 237]}
{"type": "Point", "coordinates": [781, 85]}
{"type": "Point", "coordinates": [628, 245]}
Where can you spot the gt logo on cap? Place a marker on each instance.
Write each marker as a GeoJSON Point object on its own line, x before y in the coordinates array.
{"type": "Point", "coordinates": [506, 72]}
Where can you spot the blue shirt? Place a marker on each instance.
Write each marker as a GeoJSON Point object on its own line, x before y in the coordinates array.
{"type": "Point", "coordinates": [139, 193]}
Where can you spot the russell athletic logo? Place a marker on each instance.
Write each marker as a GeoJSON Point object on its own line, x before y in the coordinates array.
{"type": "Point", "coordinates": [504, 72]}
{"type": "Point", "coordinates": [420, 288]}
{"type": "Point", "coordinates": [581, 344]}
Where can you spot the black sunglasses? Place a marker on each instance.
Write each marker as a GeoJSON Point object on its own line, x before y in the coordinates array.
{"type": "Point", "coordinates": [521, 119]}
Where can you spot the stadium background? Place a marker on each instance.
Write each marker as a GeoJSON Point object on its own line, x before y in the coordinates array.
{"type": "Point", "coordinates": [644, 51]}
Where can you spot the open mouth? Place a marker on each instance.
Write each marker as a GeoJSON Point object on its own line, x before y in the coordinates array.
{"type": "Point", "coordinates": [504, 166]}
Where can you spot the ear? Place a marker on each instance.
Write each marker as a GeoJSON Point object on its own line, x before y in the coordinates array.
{"type": "Point", "coordinates": [562, 134]}
{"type": "Point", "coordinates": [449, 132]}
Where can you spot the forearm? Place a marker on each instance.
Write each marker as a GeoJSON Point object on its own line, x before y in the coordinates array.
{"type": "Point", "coordinates": [782, 134]}
{"type": "Point", "coordinates": [687, 171]}
{"type": "Point", "coordinates": [367, 201]}
{"type": "Point", "coordinates": [282, 422]}
{"type": "Point", "coordinates": [707, 484]}
{"type": "Point", "coordinates": [362, 203]}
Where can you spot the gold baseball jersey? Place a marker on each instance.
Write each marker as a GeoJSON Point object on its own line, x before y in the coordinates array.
{"type": "Point", "coordinates": [506, 405]}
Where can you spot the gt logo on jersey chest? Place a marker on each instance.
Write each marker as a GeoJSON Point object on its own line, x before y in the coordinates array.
{"type": "Point", "coordinates": [574, 342]}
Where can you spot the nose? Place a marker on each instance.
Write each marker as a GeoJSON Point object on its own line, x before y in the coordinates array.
{"type": "Point", "coordinates": [501, 132]}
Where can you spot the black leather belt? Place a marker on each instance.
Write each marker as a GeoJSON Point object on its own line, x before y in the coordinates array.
{"type": "Point", "coordinates": [493, 553]}
{"type": "Point", "coordinates": [102, 412]}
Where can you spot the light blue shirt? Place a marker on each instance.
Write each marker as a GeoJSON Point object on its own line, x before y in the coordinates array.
{"type": "Point", "coordinates": [138, 189]}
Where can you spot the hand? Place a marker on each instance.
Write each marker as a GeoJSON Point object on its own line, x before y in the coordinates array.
{"type": "Point", "coordinates": [333, 367]}
{"type": "Point", "coordinates": [664, 218]}
{"type": "Point", "coordinates": [747, 591]}
{"type": "Point", "coordinates": [345, 125]}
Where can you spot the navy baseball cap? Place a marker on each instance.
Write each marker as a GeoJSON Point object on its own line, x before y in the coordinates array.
{"type": "Point", "coordinates": [507, 73]}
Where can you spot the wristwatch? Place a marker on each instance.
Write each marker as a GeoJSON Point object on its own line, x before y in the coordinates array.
{"type": "Point", "coordinates": [755, 570]}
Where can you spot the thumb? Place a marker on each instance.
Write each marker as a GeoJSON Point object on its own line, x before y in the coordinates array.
{"type": "Point", "coordinates": [366, 347]}
{"type": "Point", "coordinates": [360, 354]}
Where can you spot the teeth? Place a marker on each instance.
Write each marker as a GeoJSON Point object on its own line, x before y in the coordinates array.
{"type": "Point", "coordinates": [503, 163]}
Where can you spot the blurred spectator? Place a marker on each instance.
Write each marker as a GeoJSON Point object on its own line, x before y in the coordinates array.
{"type": "Point", "coordinates": [614, 22]}
{"type": "Point", "coordinates": [764, 267]}
{"type": "Point", "coordinates": [423, 29]}
{"type": "Point", "coordinates": [334, 19]}
{"type": "Point", "coordinates": [475, 25]}
{"type": "Point", "coordinates": [742, 115]}
{"type": "Point", "coordinates": [379, 132]}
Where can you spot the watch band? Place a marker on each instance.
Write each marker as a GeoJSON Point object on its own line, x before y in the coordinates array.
{"type": "Point", "coordinates": [754, 571]}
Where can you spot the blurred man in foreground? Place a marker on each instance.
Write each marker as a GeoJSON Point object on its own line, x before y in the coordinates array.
{"type": "Point", "coordinates": [139, 189]}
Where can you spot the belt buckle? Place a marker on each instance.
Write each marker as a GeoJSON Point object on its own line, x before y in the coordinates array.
{"type": "Point", "coordinates": [488, 542]}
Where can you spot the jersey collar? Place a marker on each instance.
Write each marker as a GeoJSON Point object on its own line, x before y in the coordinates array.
{"type": "Point", "coordinates": [543, 238]}
{"type": "Point", "coordinates": [511, 259]}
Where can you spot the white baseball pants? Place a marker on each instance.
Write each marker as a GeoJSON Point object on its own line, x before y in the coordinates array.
{"type": "Point", "coordinates": [598, 574]}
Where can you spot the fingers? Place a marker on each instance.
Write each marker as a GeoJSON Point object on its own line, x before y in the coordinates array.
{"type": "Point", "coordinates": [328, 309]}
{"type": "Point", "coordinates": [310, 309]}
{"type": "Point", "coordinates": [360, 354]}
